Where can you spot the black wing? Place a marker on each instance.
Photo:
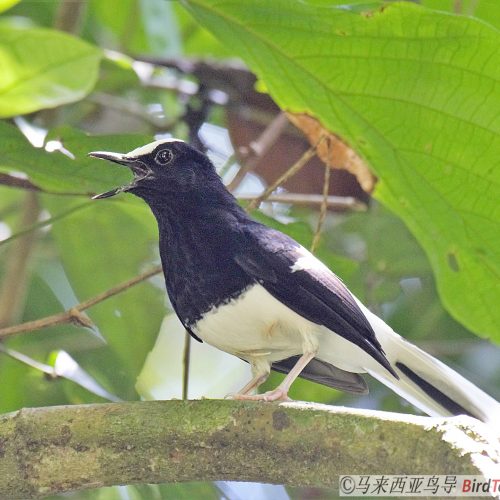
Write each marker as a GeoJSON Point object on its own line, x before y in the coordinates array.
{"type": "Point", "coordinates": [316, 294]}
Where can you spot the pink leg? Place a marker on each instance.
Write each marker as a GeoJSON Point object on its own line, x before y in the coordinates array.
{"type": "Point", "coordinates": [281, 392]}
{"type": "Point", "coordinates": [253, 384]}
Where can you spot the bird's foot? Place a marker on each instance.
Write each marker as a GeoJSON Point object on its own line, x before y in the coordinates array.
{"type": "Point", "coordinates": [277, 394]}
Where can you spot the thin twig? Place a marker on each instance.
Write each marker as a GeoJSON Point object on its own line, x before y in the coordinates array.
{"type": "Point", "coordinates": [299, 164]}
{"type": "Point", "coordinates": [131, 108]}
{"type": "Point", "coordinates": [258, 148]}
{"type": "Point", "coordinates": [17, 182]}
{"type": "Point", "coordinates": [185, 365]}
{"type": "Point", "coordinates": [305, 199]}
{"type": "Point", "coordinates": [69, 15]}
{"type": "Point", "coordinates": [323, 210]}
{"type": "Point", "coordinates": [44, 223]}
{"type": "Point", "coordinates": [74, 314]}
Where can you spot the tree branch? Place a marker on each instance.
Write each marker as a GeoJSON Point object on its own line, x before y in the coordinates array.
{"type": "Point", "coordinates": [69, 15]}
{"type": "Point", "coordinates": [17, 182]}
{"type": "Point", "coordinates": [74, 315]}
{"type": "Point", "coordinates": [45, 451]}
{"type": "Point", "coordinates": [26, 184]}
{"type": "Point", "coordinates": [305, 199]}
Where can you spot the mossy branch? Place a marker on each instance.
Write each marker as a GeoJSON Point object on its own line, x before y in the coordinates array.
{"type": "Point", "coordinates": [57, 449]}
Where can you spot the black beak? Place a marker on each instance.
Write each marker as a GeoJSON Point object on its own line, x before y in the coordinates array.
{"type": "Point", "coordinates": [118, 158]}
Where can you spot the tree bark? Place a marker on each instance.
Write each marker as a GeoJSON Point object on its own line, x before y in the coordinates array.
{"type": "Point", "coordinates": [58, 449]}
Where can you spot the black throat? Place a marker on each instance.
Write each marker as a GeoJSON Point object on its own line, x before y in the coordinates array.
{"type": "Point", "coordinates": [198, 240]}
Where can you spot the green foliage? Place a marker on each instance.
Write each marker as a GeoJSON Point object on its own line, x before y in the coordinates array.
{"type": "Point", "coordinates": [415, 92]}
{"type": "Point", "coordinates": [122, 236]}
{"type": "Point", "coordinates": [137, 26]}
{"type": "Point", "coordinates": [43, 69]}
{"type": "Point", "coordinates": [58, 173]}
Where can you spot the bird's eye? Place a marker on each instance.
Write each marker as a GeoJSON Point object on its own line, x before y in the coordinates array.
{"type": "Point", "coordinates": [164, 156]}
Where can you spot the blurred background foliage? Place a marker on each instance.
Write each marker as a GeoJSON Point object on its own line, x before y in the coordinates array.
{"type": "Point", "coordinates": [111, 75]}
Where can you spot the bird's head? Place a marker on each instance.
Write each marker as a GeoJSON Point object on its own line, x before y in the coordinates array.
{"type": "Point", "coordinates": [162, 169]}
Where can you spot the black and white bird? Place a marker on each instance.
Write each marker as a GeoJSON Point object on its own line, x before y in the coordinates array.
{"type": "Point", "coordinates": [256, 293]}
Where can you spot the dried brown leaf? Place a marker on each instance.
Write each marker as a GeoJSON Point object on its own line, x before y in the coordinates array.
{"type": "Point", "coordinates": [333, 151]}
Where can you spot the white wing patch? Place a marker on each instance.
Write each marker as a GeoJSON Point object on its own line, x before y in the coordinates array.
{"type": "Point", "coordinates": [148, 148]}
{"type": "Point", "coordinates": [307, 261]}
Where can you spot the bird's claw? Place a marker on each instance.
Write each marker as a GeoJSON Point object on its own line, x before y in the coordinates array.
{"type": "Point", "coordinates": [277, 394]}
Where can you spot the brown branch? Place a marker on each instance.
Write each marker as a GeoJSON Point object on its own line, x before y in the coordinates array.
{"type": "Point", "coordinates": [74, 315]}
{"type": "Point", "coordinates": [299, 164]}
{"type": "Point", "coordinates": [258, 148]}
{"type": "Point", "coordinates": [17, 182]}
{"type": "Point", "coordinates": [304, 199]}
{"type": "Point", "coordinates": [46, 451]}
{"type": "Point", "coordinates": [69, 15]}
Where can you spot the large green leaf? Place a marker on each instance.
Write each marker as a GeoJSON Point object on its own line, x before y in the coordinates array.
{"type": "Point", "coordinates": [42, 68]}
{"type": "Point", "coordinates": [415, 92]}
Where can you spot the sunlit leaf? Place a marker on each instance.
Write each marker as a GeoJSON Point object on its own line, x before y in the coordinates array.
{"type": "Point", "coordinates": [43, 68]}
{"type": "Point", "coordinates": [415, 92]}
{"type": "Point", "coordinates": [7, 4]}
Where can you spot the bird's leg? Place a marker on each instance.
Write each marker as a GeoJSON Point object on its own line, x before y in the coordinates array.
{"type": "Point", "coordinates": [260, 372]}
{"type": "Point", "coordinates": [281, 392]}
{"type": "Point", "coordinates": [253, 384]}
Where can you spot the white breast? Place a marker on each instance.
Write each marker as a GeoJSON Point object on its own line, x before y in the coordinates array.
{"type": "Point", "coordinates": [255, 324]}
